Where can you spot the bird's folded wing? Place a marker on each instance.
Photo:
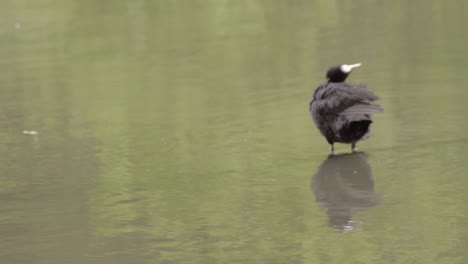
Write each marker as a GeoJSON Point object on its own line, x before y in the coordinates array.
{"type": "Point", "coordinates": [342, 96]}
{"type": "Point", "coordinates": [362, 108]}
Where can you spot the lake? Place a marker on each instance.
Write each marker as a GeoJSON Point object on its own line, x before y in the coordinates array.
{"type": "Point", "coordinates": [179, 132]}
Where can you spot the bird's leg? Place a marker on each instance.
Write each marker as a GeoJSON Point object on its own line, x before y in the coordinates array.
{"type": "Point", "coordinates": [332, 150]}
{"type": "Point", "coordinates": [353, 147]}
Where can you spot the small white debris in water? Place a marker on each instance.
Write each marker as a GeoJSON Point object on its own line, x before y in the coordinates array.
{"type": "Point", "coordinates": [17, 25]}
{"type": "Point", "coordinates": [355, 172]}
{"type": "Point", "coordinates": [30, 132]}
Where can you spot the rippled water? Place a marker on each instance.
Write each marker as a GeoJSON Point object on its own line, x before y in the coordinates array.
{"type": "Point", "coordinates": [179, 132]}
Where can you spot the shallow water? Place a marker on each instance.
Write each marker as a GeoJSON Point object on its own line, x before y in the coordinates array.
{"type": "Point", "coordinates": [178, 132]}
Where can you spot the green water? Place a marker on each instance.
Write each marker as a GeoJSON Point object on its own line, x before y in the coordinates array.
{"type": "Point", "coordinates": [179, 132]}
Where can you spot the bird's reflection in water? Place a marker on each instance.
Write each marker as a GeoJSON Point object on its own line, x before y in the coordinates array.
{"type": "Point", "coordinates": [344, 183]}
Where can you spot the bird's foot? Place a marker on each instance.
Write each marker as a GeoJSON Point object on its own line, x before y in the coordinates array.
{"type": "Point", "coordinates": [332, 150]}
{"type": "Point", "coordinates": [353, 147]}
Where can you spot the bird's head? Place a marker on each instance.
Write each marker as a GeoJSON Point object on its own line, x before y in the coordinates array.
{"type": "Point", "coordinates": [340, 72]}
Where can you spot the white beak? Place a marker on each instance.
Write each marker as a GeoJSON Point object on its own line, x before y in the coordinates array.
{"type": "Point", "coordinates": [347, 68]}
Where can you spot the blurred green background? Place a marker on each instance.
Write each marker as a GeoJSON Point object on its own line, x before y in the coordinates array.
{"type": "Point", "coordinates": [178, 132]}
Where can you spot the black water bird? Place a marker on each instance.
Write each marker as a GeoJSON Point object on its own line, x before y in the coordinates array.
{"type": "Point", "coordinates": [342, 111]}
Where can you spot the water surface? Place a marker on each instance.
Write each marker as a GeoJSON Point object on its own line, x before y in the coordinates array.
{"type": "Point", "coordinates": [178, 132]}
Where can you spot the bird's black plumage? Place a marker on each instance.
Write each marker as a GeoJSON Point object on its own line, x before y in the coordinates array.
{"type": "Point", "coordinates": [341, 111]}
